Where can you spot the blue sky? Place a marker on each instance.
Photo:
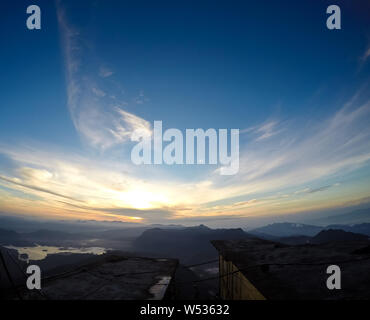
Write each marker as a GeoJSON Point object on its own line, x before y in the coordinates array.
{"type": "Point", "coordinates": [298, 92]}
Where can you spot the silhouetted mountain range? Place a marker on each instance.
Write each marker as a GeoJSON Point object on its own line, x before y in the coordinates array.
{"type": "Point", "coordinates": [8, 235]}
{"type": "Point", "coordinates": [278, 230]}
{"type": "Point", "coordinates": [324, 236]}
{"type": "Point", "coordinates": [187, 244]}
{"type": "Point", "coordinates": [363, 228]}
{"type": "Point", "coordinates": [337, 235]}
{"type": "Point", "coordinates": [285, 229]}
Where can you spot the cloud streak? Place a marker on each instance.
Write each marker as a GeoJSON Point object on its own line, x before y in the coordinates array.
{"type": "Point", "coordinates": [298, 162]}
{"type": "Point", "coordinates": [366, 55]}
{"type": "Point", "coordinates": [100, 121]}
{"type": "Point", "coordinates": [105, 72]}
{"type": "Point", "coordinates": [333, 146]}
{"type": "Point", "coordinates": [288, 172]}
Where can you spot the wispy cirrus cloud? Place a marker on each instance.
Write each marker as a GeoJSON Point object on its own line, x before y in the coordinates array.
{"type": "Point", "coordinates": [105, 72]}
{"type": "Point", "coordinates": [98, 92]}
{"type": "Point", "coordinates": [267, 130]}
{"type": "Point", "coordinates": [141, 98]}
{"type": "Point", "coordinates": [99, 118]}
{"type": "Point", "coordinates": [365, 55]}
{"type": "Point", "coordinates": [264, 131]}
{"type": "Point", "coordinates": [80, 187]}
{"type": "Point", "coordinates": [334, 146]}
{"type": "Point", "coordinates": [286, 173]}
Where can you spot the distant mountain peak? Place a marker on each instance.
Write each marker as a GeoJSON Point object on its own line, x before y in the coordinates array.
{"type": "Point", "coordinates": [337, 235]}
{"type": "Point", "coordinates": [287, 229]}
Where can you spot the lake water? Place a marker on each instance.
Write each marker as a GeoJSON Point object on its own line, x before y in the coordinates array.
{"type": "Point", "coordinates": [41, 252]}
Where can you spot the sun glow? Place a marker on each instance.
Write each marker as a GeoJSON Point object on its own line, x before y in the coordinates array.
{"type": "Point", "coordinates": [141, 199]}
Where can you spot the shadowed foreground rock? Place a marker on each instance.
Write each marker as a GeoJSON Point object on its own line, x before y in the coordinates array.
{"type": "Point", "coordinates": [109, 277]}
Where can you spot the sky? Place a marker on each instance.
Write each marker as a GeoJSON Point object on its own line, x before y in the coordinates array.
{"type": "Point", "coordinates": [73, 92]}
